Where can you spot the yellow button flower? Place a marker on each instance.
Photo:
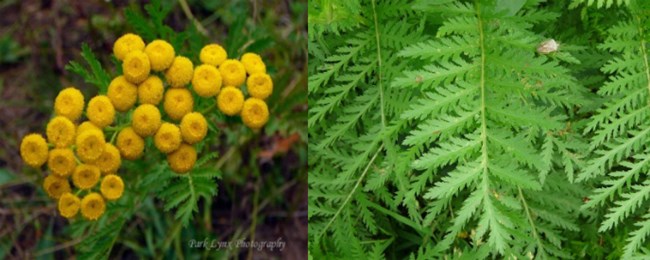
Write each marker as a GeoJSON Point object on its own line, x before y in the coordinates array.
{"type": "Point", "coordinates": [206, 81]}
{"type": "Point", "coordinates": [112, 187]}
{"type": "Point", "coordinates": [151, 90]}
{"type": "Point", "coordinates": [69, 103]}
{"type": "Point", "coordinates": [86, 125]}
{"type": "Point", "coordinates": [168, 138]}
{"type": "Point", "coordinates": [253, 63]}
{"type": "Point", "coordinates": [178, 102]}
{"type": "Point", "coordinates": [183, 159]}
{"type": "Point", "coordinates": [110, 160]}
{"type": "Point", "coordinates": [69, 205]}
{"type": "Point", "coordinates": [61, 162]}
{"type": "Point", "coordinates": [136, 67]}
{"type": "Point", "coordinates": [194, 127]}
{"type": "Point", "coordinates": [255, 113]}
{"type": "Point", "coordinates": [161, 54]}
{"type": "Point", "coordinates": [127, 43]}
{"type": "Point", "coordinates": [93, 206]}
{"type": "Point", "coordinates": [85, 176]}
{"type": "Point", "coordinates": [33, 150]}
{"type": "Point", "coordinates": [90, 145]}
{"type": "Point", "coordinates": [180, 72]}
{"type": "Point", "coordinates": [230, 101]}
{"type": "Point", "coordinates": [122, 94]}
{"type": "Point", "coordinates": [60, 131]}
{"type": "Point", "coordinates": [213, 54]}
{"type": "Point", "coordinates": [56, 186]}
{"type": "Point", "coordinates": [100, 111]}
{"type": "Point", "coordinates": [130, 144]}
{"type": "Point", "coordinates": [146, 120]}
{"type": "Point", "coordinates": [259, 85]}
{"type": "Point", "coordinates": [233, 73]}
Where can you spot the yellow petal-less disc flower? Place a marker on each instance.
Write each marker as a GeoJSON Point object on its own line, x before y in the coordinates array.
{"type": "Point", "coordinates": [230, 101]}
{"type": "Point", "coordinates": [146, 120]}
{"type": "Point", "coordinates": [110, 160]}
{"type": "Point", "coordinates": [56, 186]}
{"type": "Point", "coordinates": [69, 205]}
{"type": "Point", "coordinates": [206, 81]}
{"type": "Point", "coordinates": [213, 54]}
{"type": "Point", "coordinates": [233, 73]}
{"type": "Point", "coordinates": [136, 67]}
{"type": "Point", "coordinates": [151, 90]}
{"type": "Point", "coordinates": [100, 111]}
{"type": "Point", "coordinates": [183, 159]}
{"type": "Point", "coordinates": [34, 150]}
{"type": "Point", "coordinates": [178, 102]}
{"type": "Point", "coordinates": [93, 206]}
{"type": "Point", "coordinates": [130, 144]}
{"type": "Point", "coordinates": [255, 113]}
{"type": "Point", "coordinates": [180, 72]}
{"type": "Point", "coordinates": [122, 94]}
{"type": "Point", "coordinates": [126, 44]}
{"type": "Point", "coordinates": [259, 85]}
{"type": "Point", "coordinates": [112, 187]}
{"type": "Point", "coordinates": [86, 125]}
{"type": "Point", "coordinates": [90, 145]}
{"type": "Point", "coordinates": [60, 131]}
{"type": "Point", "coordinates": [253, 63]}
{"type": "Point", "coordinates": [168, 138]}
{"type": "Point", "coordinates": [194, 127]}
{"type": "Point", "coordinates": [161, 54]}
{"type": "Point", "coordinates": [61, 162]}
{"type": "Point", "coordinates": [85, 176]}
{"type": "Point", "coordinates": [69, 103]}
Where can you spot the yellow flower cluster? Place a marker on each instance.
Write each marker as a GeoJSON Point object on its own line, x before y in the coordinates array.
{"type": "Point", "coordinates": [84, 157]}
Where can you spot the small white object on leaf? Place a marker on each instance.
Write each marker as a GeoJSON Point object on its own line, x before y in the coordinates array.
{"type": "Point", "coordinates": [548, 46]}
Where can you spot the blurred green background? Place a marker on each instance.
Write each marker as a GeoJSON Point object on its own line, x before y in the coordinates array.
{"type": "Point", "coordinates": [263, 190]}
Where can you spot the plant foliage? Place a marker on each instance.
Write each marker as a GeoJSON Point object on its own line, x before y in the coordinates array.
{"type": "Point", "coordinates": [443, 129]}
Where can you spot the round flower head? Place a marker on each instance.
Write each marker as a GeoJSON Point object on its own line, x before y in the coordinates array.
{"type": "Point", "coordinates": [69, 103]}
{"type": "Point", "coordinates": [122, 94]}
{"type": "Point", "coordinates": [253, 63]}
{"type": "Point", "coordinates": [168, 138]}
{"type": "Point", "coordinates": [146, 120]}
{"type": "Point", "coordinates": [180, 72]}
{"type": "Point", "coordinates": [33, 150]}
{"type": "Point", "coordinates": [136, 67]}
{"type": "Point", "coordinates": [112, 187]}
{"type": "Point", "coordinates": [259, 85]}
{"type": "Point", "coordinates": [90, 145]}
{"type": "Point", "coordinates": [100, 111]}
{"type": "Point", "coordinates": [56, 186]}
{"type": "Point", "coordinates": [232, 72]}
{"type": "Point", "coordinates": [60, 131]}
{"type": "Point", "coordinates": [92, 206]}
{"type": "Point", "coordinates": [86, 125]}
{"type": "Point", "coordinates": [69, 205]}
{"type": "Point", "coordinates": [206, 81]}
{"type": "Point", "coordinates": [61, 162]}
{"type": "Point", "coordinates": [85, 176]}
{"type": "Point", "coordinates": [178, 102]}
{"type": "Point", "coordinates": [110, 160]}
{"type": "Point", "coordinates": [183, 159]}
{"type": "Point", "coordinates": [255, 113]}
{"type": "Point", "coordinates": [213, 54]}
{"type": "Point", "coordinates": [130, 144]}
{"type": "Point", "coordinates": [126, 44]}
{"type": "Point", "coordinates": [230, 101]}
{"type": "Point", "coordinates": [161, 54]}
{"type": "Point", "coordinates": [194, 127]}
{"type": "Point", "coordinates": [151, 90]}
